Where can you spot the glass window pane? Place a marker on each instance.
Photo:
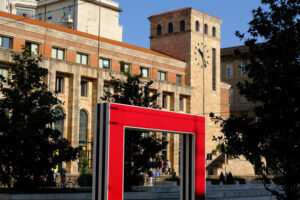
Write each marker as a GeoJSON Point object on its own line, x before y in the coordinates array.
{"type": "Point", "coordinates": [105, 63]}
{"type": "Point", "coordinates": [60, 54]}
{"type": "Point", "coordinates": [34, 48]}
{"type": "Point", "coordinates": [178, 79]}
{"type": "Point", "coordinates": [78, 58]}
{"type": "Point", "coordinates": [83, 128]}
{"type": "Point", "coordinates": [59, 125]}
{"type": "Point", "coordinates": [84, 59]}
{"type": "Point", "coordinates": [54, 53]}
{"type": "Point", "coordinates": [6, 42]}
{"type": "Point", "coordinates": [144, 72]}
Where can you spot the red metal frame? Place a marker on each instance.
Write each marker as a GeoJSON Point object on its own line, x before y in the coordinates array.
{"type": "Point", "coordinates": [122, 116]}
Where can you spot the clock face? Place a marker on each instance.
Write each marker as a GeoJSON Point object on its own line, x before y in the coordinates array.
{"type": "Point", "coordinates": [201, 54]}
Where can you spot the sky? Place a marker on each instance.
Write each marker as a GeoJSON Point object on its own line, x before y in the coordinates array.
{"type": "Point", "coordinates": [235, 15]}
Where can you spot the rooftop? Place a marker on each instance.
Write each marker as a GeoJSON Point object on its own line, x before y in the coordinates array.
{"type": "Point", "coordinates": [82, 34]}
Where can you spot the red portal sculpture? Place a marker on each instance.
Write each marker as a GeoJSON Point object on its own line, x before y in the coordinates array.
{"type": "Point", "coordinates": [112, 120]}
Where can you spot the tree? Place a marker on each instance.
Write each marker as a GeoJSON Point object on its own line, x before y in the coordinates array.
{"type": "Point", "coordinates": [30, 148]}
{"type": "Point", "coordinates": [140, 152]}
{"type": "Point", "coordinates": [269, 139]}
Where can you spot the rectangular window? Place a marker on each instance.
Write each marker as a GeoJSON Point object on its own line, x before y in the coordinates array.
{"type": "Point", "coordinates": [243, 68]}
{"type": "Point", "coordinates": [125, 67]}
{"type": "Point", "coordinates": [33, 47]}
{"type": "Point", "coordinates": [58, 53]}
{"type": "Point", "coordinates": [4, 73]}
{"type": "Point", "coordinates": [214, 85]}
{"type": "Point", "coordinates": [164, 101]}
{"type": "Point", "coordinates": [82, 59]}
{"type": "Point", "coordinates": [84, 88]}
{"type": "Point", "coordinates": [181, 102]}
{"type": "Point", "coordinates": [64, 11]}
{"type": "Point", "coordinates": [104, 63]}
{"type": "Point", "coordinates": [209, 156]}
{"type": "Point", "coordinates": [5, 42]}
{"type": "Point", "coordinates": [59, 84]}
{"type": "Point", "coordinates": [49, 16]}
{"type": "Point", "coordinates": [229, 71]}
{"type": "Point", "coordinates": [162, 76]}
{"type": "Point", "coordinates": [178, 79]}
{"type": "Point", "coordinates": [144, 72]}
{"type": "Point", "coordinates": [25, 13]}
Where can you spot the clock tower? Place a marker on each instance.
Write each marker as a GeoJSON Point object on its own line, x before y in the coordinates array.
{"type": "Point", "coordinates": [194, 37]}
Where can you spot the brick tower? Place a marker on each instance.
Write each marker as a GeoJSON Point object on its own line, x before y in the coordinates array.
{"type": "Point", "coordinates": [194, 37]}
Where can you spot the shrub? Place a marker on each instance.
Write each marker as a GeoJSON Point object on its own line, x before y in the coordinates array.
{"type": "Point", "coordinates": [222, 177]}
{"type": "Point", "coordinates": [85, 180]}
{"type": "Point", "coordinates": [241, 180]}
{"type": "Point", "coordinates": [229, 179]}
{"type": "Point", "coordinates": [267, 181]}
{"type": "Point", "coordinates": [177, 179]}
{"type": "Point", "coordinates": [278, 180]}
{"type": "Point", "coordinates": [214, 181]}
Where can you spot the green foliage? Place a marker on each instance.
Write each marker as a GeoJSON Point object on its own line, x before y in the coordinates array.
{"type": "Point", "coordinates": [177, 179]}
{"type": "Point", "coordinates": [28, 143]}
{"type": "Point", "coordinates": [222, 177]}
{"type": "Point", "coordinates": [140, 152]}
{"type": "Point", "coordinates": [229, 179]}
{"type": "Point", "coordinates": [84, 164]}
{"type": "Point", "coordinates": [85, 179]}
{"type": "Point", "coordinates": [271, 140]}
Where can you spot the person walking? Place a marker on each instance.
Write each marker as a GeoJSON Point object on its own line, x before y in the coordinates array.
{"type": "Point", "coordinates": [150, 176]}
{"type": "Point", "coordinates": [168, 167]}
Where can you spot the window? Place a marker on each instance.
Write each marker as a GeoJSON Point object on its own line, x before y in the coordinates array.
{"type": "Point", "coordinates": [205, 29]}
{"type": "Point", "coordinates": [4, 73]}
{"type": "Point", "coordinates": [58, 53]}
{"type": "Point", "coordinates": [164, 101]}
{"type": "Point", "coordinates": [197, 26]}
{"type": "Point", "coordinates": [5, 42]}
{"type": "Point", "coordinates": [59, 125]}
{"type": "Point", "coordinates": [104, 63]}
{"type": "Point", "coordinates": [82, 59]}
{"type": "Point", "coordinates": [181, 102]}
{"type": "Point", "coordinates": [214, 69]}
{"type": "Point", "coordinates": [230, 101]}
{"type": "Point", "coordinates": [159, 29]}
{"type": "Point", "coordinates": [209, 156]}
{"type": "Point", "coordinates": [182, 25]}
{"type": "Point", "coordinates": [84, 88]}
{"type": "Point", "coordinates": [214, 31]}
{"type": "Point", "coordinates": [243, 68]}
{"type": "Point", "coordinates": [83, 125]}
{"type": "Point", "coordinates": [59, 84]}
{"type": "Point", "coordinates": [33, 47]}
{"type": "Point", "coordinates": [25, 13]}
{"type": "Point", "coordinates": [49, 16]}
{"type": "Point", "coordinates": [170, 28]}
{"type": "Point", "coordinates": [64, 11]}
{"type": "Point", "coordinates": [229, 71]}
{"type": "Point", "coordinates": [144, 72]}
{"type": "Point", "coordinates": [125, 67]}
{"type": "Point", "coordinates": [162, 76]}
{"type": "Point", "coordinates": [178, 79]}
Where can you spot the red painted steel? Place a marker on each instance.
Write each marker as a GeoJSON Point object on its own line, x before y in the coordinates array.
{"type": "Point", "coordinates": [122, 116]}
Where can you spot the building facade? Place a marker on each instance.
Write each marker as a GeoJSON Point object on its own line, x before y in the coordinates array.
{"type": "Point", "coordinates": [89, 16]}
{"type": "Point", "coordinates": [183, 61]}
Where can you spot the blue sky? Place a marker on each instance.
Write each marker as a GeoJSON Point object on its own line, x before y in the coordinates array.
{"type": "Point", "coordinates": [235, 15]}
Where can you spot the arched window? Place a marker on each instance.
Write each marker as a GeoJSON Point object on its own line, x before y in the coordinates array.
{"type": "Point", "coordinates": [170, 28]}
{"type": "Point", "coordinates": [159, 29]}
{"type": "Point", "coordinates": [83, 124]}
{"type": "Point", "coordinates": [182, 25]}
{"type": "Point", "coordinates": [59, 125]}
{"type": "Point", "coordinates": [197, 26]}
{"type": "Point", "coordinates": [214, 31]}
{"type": "Point", "coordinates": [205, 29]}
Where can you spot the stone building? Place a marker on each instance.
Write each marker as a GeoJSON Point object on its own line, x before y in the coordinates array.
{"type": "Point", "coordinates": [183, 61]}
{"type": "Point", "coordinates": [90, 16]}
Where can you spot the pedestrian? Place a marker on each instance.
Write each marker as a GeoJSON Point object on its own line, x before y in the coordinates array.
{"type": "Point", "coordinates": [150, 176]}
{"type": "Point", "coordinates": [54, 175]}
{"type": "Point", "coordinates": [173, 173]}
{"type": "Point", "coordinates": [168, 167]}
{"type": "Point", "coordinates": [157, 173]}
{"type": "Point", "coordinates": [162, 166]}
{"type": "Point", "coordinates": [63, 172]}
